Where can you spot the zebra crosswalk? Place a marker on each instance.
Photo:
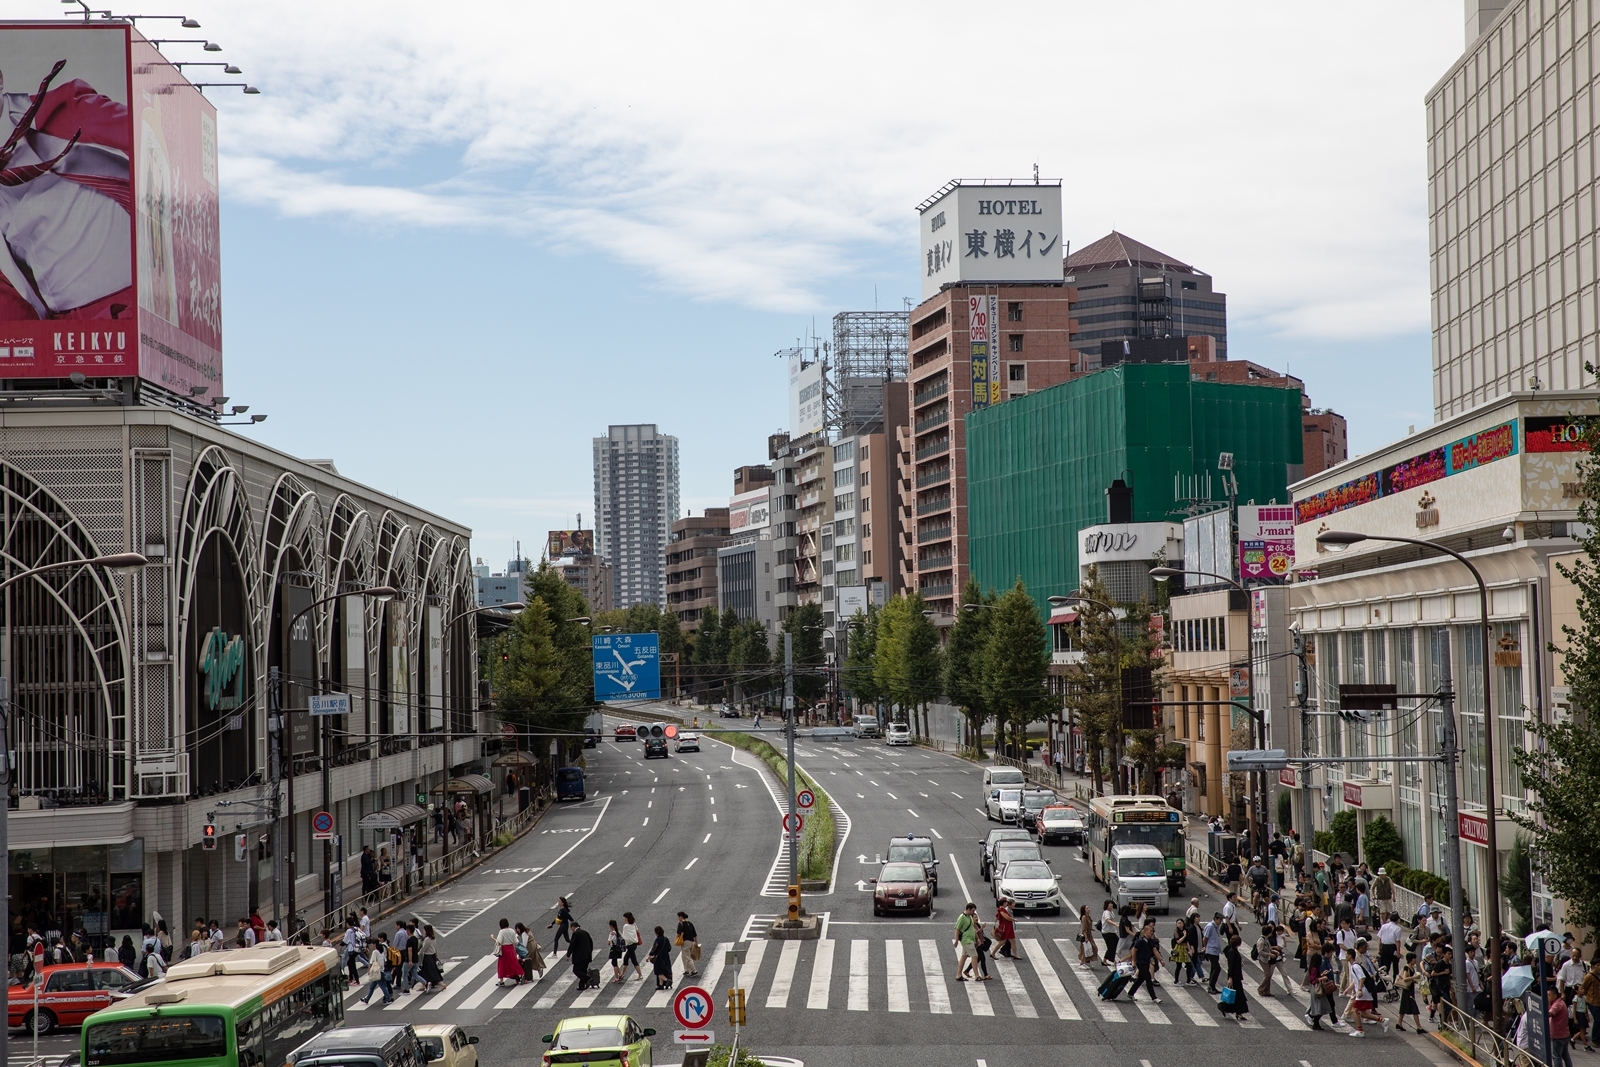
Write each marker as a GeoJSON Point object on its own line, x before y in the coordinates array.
{"type": "Point", "coordinates": [895, 975]}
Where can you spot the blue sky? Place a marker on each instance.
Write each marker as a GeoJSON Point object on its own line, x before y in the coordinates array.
{"type": "Point", "coordinates": [455, 249]}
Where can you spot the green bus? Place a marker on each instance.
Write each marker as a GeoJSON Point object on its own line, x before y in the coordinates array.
{"type": "Point", "coordinates": [244, 1007]}
{"type": "Point", "coordinates": [1135, 820]}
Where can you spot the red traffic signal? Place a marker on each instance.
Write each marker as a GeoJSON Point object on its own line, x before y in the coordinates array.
{"type": "Point", "coordinates": [208, 839]}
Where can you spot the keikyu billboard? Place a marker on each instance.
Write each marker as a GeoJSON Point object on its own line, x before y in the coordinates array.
{"type": "Point", "coordinates": [110, 262]}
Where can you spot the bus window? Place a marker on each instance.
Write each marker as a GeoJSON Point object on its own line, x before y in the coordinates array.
{"type": "Point", "coordinates": [168, 1037]}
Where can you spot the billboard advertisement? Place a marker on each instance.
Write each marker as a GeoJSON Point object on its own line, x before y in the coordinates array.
{"type": "Point", "coordinates": [1207, 548]}
{"type": "Point", "coordinates": [1266, 542]}
{"type": "Point", "coordinates": [991, 233]}
{"type": "Point", "coordinates": [749, 511]}
{"type": "Point", "coordinates": [561, 542]}
{"type": "Point", "coordinates": [110, 263]}
{"type": "Point", "coordinates": [806, 413]}
{"type": "Point", "coordinates": [978, 341]}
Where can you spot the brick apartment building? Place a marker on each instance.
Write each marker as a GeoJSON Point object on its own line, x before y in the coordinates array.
{"type": "Point", "coordinates": [691, 564]}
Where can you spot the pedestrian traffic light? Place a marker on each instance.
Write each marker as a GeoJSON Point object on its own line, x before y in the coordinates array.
{"type": "Point", "coordinates": [241, 844]}
{"type": "Point", "coordinates": [736, 1007]}
{"type": "Point", "coordinates": [208, 840]}
{"type": "Point", "coordinates": [794, 903]}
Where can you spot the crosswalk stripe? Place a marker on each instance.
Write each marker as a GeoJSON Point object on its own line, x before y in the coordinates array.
{"type": "Point", "coordinates": [662, 997]}
{"type": "Point", "coordinates": [1053, 989]}
{"type": "Point", "coordinates": [630, 989]}
{"type": "Point", "coordinates": [553, 994]}
{"type": "Point", "coordinates": [457, 983]}
{"type": "Point", "coordinates": [1021, 1005]}
{"type": "Point", "coordinates": [513, 998]}
{"type": "Point", "coordinates": [1091, 985]}
{"type": "Point", "coordinates": [1288, 1018]}
{"type": "Point", "coordinates": [1152, 1012]}
{"type": "Point", "coordinates": [1190, 1006]}
{"type": "Point", "coordinates": [977, 993]}
{"type": "Point", "coordinates": [783, 981]}
{"type": "Point", "coordinates": [821, 976]}
{"type": "Point", "coordinates": [894, 953]}
{"type": "Point", "coordinates": [711, 973]}
{"type": "Point", "coordinates": [857, 1000]}
{"type": "Point", "coordinates": [582, 1000]}
{"type": "Point", "coordinates": [487, 990]}
{"type": "Point", "coordinates": [933, 976]}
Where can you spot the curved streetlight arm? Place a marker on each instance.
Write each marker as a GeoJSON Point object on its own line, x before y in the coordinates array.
{"type": "Point", "coordinates": [117, 561]}
{"type": "Point", "coordinates": [1161, 574]}
{"type": "Point", "coordinates": [1063, 601]}
{"type": "Point", "coordinates": [381, 592]}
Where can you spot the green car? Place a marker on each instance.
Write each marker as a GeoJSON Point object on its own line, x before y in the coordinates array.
{"type": "Point", "coordinates": [599, 1041]}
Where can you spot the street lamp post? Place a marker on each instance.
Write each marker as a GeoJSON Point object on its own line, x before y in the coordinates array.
{"type": "Point", "coordinates": [1337, 540]}
{"type": "Point", "coordinates": [1257, 779]}
{"type": "Point", "coordinates": [379, 592]}
{"type": "Point", "coordinates": [449, 726]}
{"type": "Point", "coordinates": [115, 561]}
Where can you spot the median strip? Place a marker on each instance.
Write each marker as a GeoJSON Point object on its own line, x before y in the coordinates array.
{"type": "Point", "coordinates": [815, 860]}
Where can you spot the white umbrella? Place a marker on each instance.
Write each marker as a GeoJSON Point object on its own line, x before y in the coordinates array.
{"type": "Point", "coordinates": [1517, 981]}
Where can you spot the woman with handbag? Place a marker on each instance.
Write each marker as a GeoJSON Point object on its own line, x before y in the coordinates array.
{"type": "Point", "coordinates": [1088, 946]}
{"type": "Point", "coordinates": [1005, 931]}
{"type": "Point", "coordinates": [1180, 952]}
{"type": "Point", "coordinates": [614, 950]}
{"type": "Point", "coordinates": [1233, 1000]}
{"type": "Point", "coordinates": [689, 941]}
{"type": "Point", "coordinates": [1408, 994]}
{"type": "Point", "coordinates": [660, 960]}
{"type": "Point", "coordinates": [432, 977]}
{"type": "Point", "coordinates": [1322, 988]}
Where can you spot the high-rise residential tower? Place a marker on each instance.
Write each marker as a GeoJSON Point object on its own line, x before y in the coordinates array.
{"type": "Point", "coordinates": [635, 501]}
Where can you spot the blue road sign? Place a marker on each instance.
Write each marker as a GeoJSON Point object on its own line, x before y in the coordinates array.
{"type": "Point", "coordinates": [627, 667]}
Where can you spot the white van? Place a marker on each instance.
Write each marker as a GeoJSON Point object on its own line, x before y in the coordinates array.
{"type": "Point", "coordinates": [996, 777]}
{"type": "Point", "coordinates": [1138, 875]}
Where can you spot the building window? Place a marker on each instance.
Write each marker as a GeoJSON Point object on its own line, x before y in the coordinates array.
{"type": "Point", "coordinates": [847, 476]}
{"type": "Point", "coordinates": [866, 478]}
{"type": "Point", "coordinates": [1014, 340]}
{"type": "Point", "coordinates": [1018, 372]}
{"type": "Point", "coordinates": [1014, 311]}
{"type": "Point", "coordinates": [866, 505]}
{"type": "Point", "coordinates": [866, 529]}
{"type": "Point", "coordinates": [866, 452]}
{"type": "Point", "coordinates": [844, 452]}
{"type": "Point", "coordinates": [1191, 286]}
{"type": "Point", "coordinates": [844, 553]}
{"type": "Point", "coordinates": [866, 557]}
{"type": "Point", "coordinates": [844, 502]}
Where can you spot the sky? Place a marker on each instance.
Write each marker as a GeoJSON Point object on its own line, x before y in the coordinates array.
{"type": "Point", "coordinates": [459, 242]}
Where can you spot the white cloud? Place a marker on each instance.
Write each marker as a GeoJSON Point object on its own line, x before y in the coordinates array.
{"type": "Point", "coordinates": [755, 154]}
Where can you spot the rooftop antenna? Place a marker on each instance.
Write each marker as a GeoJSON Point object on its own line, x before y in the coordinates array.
{"type": "Point", "coordinates": [1036, 174]}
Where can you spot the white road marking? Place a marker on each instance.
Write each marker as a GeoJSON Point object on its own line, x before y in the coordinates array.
{"type": "Point", "coordinates": [914, 815]}
{"type": "Point", "coordinates": [513, 998]}
{"type": "Point", "coordinates": [977, 992]}
{"type": "Point", "coordinates": [888, 794]}
{"type": "Point", "coordinates": [646, 821]}
{"type": "Point", "coordinates": [1288, 1018]}
{"type": "Point", "coordinates": [1091, 985]}
{"type": "Point", "coordinates": [821, 976]}
{"type": "Point", "coordinates": [1021, 1006]}
{"type": "Point", "coordinates": [627, 842]}
{"type": "Point", "coordinates": [1152, 1012]}
{"type": "Point", "coordinates": [488, 990]}
{"type": "Point", "coordinates": [691, 863]}
{"type": "Point", "coordinates": [548, 1001]}
{"type": "Point", "coordinates": [1189, 1006]}
{"type": "Point", "coordinates": [933, 976]}
{"type": "Point", "coordinates": [713, 816]}
{"type": "Point", "coordinates": [858, 975]}
{"type": "Point", "coordinates": [664, 892]}
{"type": "Point", "coordinates": [783, 981]}
{"type": "Point", "coordinates": [1035, 953]}
{"type": "Point", "coordinates": [895, 966]}
{"type": "Point", "coordinates": [708, 838]}
{"type": "Point", "coordinates": [607, 867]}
{"type": "Point", "coordinates": [649, 804]}
{"type": "Point", "coordinates": [936, 833]}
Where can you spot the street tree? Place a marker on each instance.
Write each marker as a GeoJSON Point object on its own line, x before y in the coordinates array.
{"type": "Point", "coordinates": [804, 624]}
{"type": "Point", "coordinates": [1015, 665]}
{"type": "Point", "coordinates": [1094, 691]}
{"type": "Point", "coordinates": [859, 676]}
{"type": "Point", "coordinates": [963, 659]}
{"type": "Point", "coordinates": [908, 662]}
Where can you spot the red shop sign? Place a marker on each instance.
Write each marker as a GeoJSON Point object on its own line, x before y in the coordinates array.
{"type": "Point", "coordinates": [1474, 828]}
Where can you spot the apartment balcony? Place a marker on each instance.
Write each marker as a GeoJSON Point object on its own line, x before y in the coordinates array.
{"type": "Point", "coordinates": [937, 448]}
{"type": "Point", "coordinates": [937, 477]}
{"type": "Point", "coordinates": [932, 393]}
{"type": "Point", "coordinates": [938, 418]}
{"type": "Point", "coordinates": [933, 507]}
{"type": "Point", "coordinates": [810, 499]}
{"type": "Point", "coordinates": [935, 533]}
{"type": "Point", "coordinates": [933, 563]}
{"type": "Point", "coordinates": [930, 592]}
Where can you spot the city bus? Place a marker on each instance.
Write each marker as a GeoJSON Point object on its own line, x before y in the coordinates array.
{"type": "Point", "coordinates": [244, 1007]}
{"type": "Point", "coordinates": [1135, 820]}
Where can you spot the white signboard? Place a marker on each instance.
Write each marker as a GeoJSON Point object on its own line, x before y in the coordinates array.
{"type": "Point", "coordinates": [1208, 548]}
{"type": "Point", "coordinates": [749, 511]}
{"type": "Point", "coordinates": [848, 600]}
{"type": "Point", "coordinates": [328, 703]}
{"type": "Point", "coordinates": [806, 415]}
{"type": "Point", "coordinates": [992, 233]}
{"type": "Point", "coordinates": [1128, 541]}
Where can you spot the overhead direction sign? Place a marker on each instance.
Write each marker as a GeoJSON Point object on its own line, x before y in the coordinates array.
{"type": "Point", "coordinates": [627, 666]}
{"type": "Point", "coordinates": [1258, 759]}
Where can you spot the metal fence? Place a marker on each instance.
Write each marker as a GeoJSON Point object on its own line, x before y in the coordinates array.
{"type": "Point", "coordinates": [1479, 1040]}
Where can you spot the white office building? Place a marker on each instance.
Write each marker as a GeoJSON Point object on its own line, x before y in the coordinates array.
{"type": "Point", "coordinates": [635, 501]}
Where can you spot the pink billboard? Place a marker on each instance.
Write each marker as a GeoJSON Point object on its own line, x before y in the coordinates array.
{"type": "Point", "coordinates": [109, 258]}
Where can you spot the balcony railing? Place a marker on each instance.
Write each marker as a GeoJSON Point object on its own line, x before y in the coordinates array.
{"type": "Point", "coordinates": [931, 393]}
{"type": "Point", "coordinates": [938, 418]}
{"type": "Point", "coordinates": [937, 448]}
{"type": "Point", "coordinates": [937, 533]}
{"type": "Point", "coordinates": [933, 563]}
{"type": "Point", "coordinates": [933, 507]}
{"type": "Point", "coordinates": [931, 592]}
{"type": "Point", "coordinates": [933, 478]}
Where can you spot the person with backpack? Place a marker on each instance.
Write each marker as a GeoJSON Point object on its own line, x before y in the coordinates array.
{"type": "Point", "coordinates": [378, 970]}
{"type": "Point", "coordinates": [353, 944]}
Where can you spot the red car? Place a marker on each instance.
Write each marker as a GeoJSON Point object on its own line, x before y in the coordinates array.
{"type": "Point", "coordinates": [71, 993]}
{"type": "Point", "coordinates": [627, 733]}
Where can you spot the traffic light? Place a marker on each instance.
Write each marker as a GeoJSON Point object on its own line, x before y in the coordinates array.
{"type": "Point", "coordinates": [794, 903]}
{"type": "Point", "coordinates": [736, 1007]}
{"type": "Point", "coordinates": [208, 839]}
{"type": "Point", "coordinates": [241, 844]}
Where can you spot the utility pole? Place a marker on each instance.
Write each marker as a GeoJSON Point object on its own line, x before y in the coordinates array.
{"type": "Point", "coordinates": [284, 716]}
{"type": "Point", "coordinates": [788, 721]}
{"type": "Point", "coordinates": [274, 775]}
{"type": "Point", "coordinates": [1452, 811]}
{"type": "Point", "coordinates": [330, 899]}
{"type": "Point", "coordinates": [1302, 694]}
{"type": "Point", "coordinates": [5, 819]}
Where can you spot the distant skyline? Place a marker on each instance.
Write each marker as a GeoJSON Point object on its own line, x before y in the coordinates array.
{"type": "Point", "coordinates": [448, 267]}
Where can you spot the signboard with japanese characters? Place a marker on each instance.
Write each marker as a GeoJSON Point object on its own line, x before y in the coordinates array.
{"type": "Point", "coordinates": [992, 233]}
{"type": "Point", "coordinates": [806, 411]}
{"type": "Point", "coordinates": [1266, 542]}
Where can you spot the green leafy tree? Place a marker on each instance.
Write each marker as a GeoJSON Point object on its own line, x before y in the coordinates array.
{"type": "Point", "coordinates": [1517, 885]}
{"type": "Point", "coordinates": [908, 657]}
{"type": "Point", "coordinates": [860, 661]}
{"type": "Point", "coordinates": [1565, 757]}
{"type": "Point", "coordinates": [1015, 664]}
{"type": "Point", "coordinates": [1286, 811]}
{"type": "Point", "coordinates": [963, 659]}
{"type": "Point", "coordinates": [1151, 751]}
{"type": "Point", "coordinates": [544, 679]}
{"type": "Point", "coordinates": [1380, 843]}
{"type": "Point", "coordinates": [1343, 829]}
{"type": "Point", "coordinates": [1094, 692]}
{"type": "Point", "coordinates": [805, 625]}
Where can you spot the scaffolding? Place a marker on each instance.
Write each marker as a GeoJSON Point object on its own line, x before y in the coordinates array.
{"type": "Point", "coordinates": [869, 350]}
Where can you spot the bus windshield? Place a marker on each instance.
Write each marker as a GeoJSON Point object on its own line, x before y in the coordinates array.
{"type": "Point", "coordinates": [167, 1037]}
{"type": "Point", "coordinates": [1166, 836]}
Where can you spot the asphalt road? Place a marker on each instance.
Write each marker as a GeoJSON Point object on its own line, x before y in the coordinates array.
{"type": "Point", "coordinates": [701, 833]}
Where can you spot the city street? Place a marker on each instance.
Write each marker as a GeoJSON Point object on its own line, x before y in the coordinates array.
{"type": "Point", "coordinates": [700, 833]}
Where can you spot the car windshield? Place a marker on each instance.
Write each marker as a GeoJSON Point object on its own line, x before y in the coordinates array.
{"type": "Point", "coordinates": [588, 1037]}
{"type": "Point", "coordinates": [1008, 835]}
{"type": "Point", "coordinates": [1060, 815]}
{"type": "Point", "coordinates": [434, 1045]}
{"type": "Point", "coordinates": [1010, 796]}
{"type": "Point", "coordinates": [166, 1037]}
{"type": "Point", "coordinates": [902, 872]}
{"type": "Point", "coordinates": [912, 853]}
{"type": "Point", "coordinates": [1037, 802]}
{"type": "Point", "coordinates": [1006, 852]}
{"type": "Point", "coordinates": [1009, 776]}
{"type": "Point", "coordinates": [1140, 866]}
{"type": "Point", "coordinates": [1027, 869]}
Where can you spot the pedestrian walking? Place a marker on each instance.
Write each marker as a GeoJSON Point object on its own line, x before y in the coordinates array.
{"type": "Point", "coordinates": [580, 950]}
{"type": "Point", "coordinates": [1322, 987]}
{"type": "Point", "coordinates": [1560, 1032]}
{"type": "Point", "coordinates": [432, 976]}
{"type": "Point", "coordinates": [1407, 983]}
{"type": "Point", "coordinates": [353, 945]}
{"type": "Point", "coordinates": [1088, 946]}
{"type": "Point", "coordinates": [614, 950]}
{"type": "Point", "coordinates": [1590, 989]}
{"type": "Point", "coordinates": [632, 941]}
{"type": "Point", "coordinates": [1180, 952]}
{"type": "Point", "coordinates": [1108, 931]}
{"type": "Point", "coordinates": [1269, 954]}
{"type": "Point", "coordinates": [966, 940]}
{"type": "Point", "coordinates": [1363, 990]}
{"type": "Point", "coordinates": [1233, 999]}
{"type": "Point", "coordinates": [689, 941]}
{"type": "Point", "coordinates": [1005, 930]}
{"type": "Point", "coordinates": [563, 924]}
{"type": "Point", "coordinates": [1146, 961]}
{"type": "Point", "coordinates": [660, 959]}
{"type": "Point", "coordinates": [1212, 940]}
{"type": "Point", "coordinates": [505, 948]}
{"type": "Point", "coordinates": [378, 971]}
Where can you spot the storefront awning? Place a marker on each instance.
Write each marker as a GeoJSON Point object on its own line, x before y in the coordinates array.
{"type": "Point", "coordinates": [466, 783]}
{"type": "Point", "coordinates": [1059, 616]}
{"type": "Point", "coordinates": [394, 818]}
{"type": "Point", "coordinates": [514, 759]}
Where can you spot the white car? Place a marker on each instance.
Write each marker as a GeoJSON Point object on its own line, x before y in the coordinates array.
{"type": "Point", "coordinates": [899, 734]}
{"type": "Point", "coordinates": [1003, 804]}
{"type": "Point", "coordinates": [1031, 885]}
{"type": "Point", "coordinates": [688, 743]}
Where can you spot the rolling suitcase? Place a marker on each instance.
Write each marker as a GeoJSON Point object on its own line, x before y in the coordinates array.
{"type": "Point", "coordinates": [591, 980]}
{"type": "Point", "coordinates": [1114, 984]}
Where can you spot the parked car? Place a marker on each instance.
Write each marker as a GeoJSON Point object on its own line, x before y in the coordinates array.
{"type": "Point", "coordinates": [1030, 884]}
{"type": "Point", "coordinates": [615, 1039]}
{"type": "Point", "coordinates": [899, 734]}
{"type": "Point", "coordinates": [1059, 822]}
{"type": "Point", "coordinates": [627, 733]}
{"type": "Point", "coordinates": [987, 845]}
{"type": "Point", "coordinates": [448, 1045]}
{"type": "Point", "coordinates": [688, 743]}
{"type": "Point", "coordinates": [1003, 804]}
{"type": "Point", "coordinates": [903, 888]}
{"type": "Point", "coordinates": [915, 848]}
{"type": "Point", "coordinates": [71, 993]}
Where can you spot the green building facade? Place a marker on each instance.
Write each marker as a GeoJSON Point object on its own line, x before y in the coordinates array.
{"type": "Point", "coordinates": [1038, 465]}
